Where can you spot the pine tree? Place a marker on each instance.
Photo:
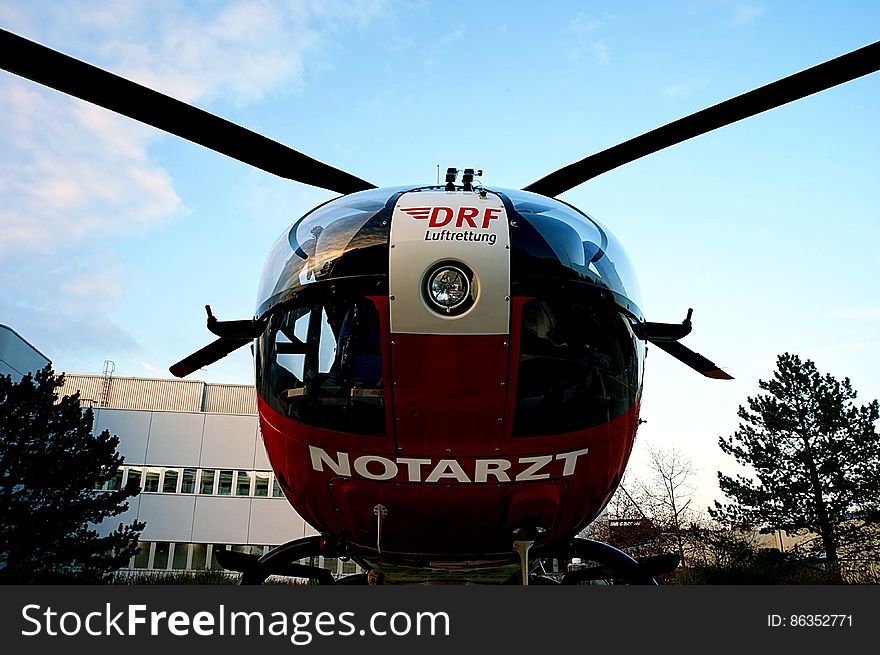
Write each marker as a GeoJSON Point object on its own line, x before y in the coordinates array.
{"type": "Point", "coordinates": [816, 458]}
{"type": "Point", "coordinates": [51, 471]}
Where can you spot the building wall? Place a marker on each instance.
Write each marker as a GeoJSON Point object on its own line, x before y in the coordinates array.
{"type": "Point", "coordinates": [17, 356]}
{"type": "Point", "coordinates": [204, 476]}
{"type": "Point", "coordinates": [156, 442]}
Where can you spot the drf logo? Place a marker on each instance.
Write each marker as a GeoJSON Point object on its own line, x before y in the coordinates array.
{"type": "Point", "coordinates": [470, 217]}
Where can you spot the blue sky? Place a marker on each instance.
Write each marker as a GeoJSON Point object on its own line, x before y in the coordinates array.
{"type": "Point", "coordinates": [113, 236]}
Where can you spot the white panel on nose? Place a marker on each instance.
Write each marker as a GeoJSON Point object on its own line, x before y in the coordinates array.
{"type": "Point", "coordinates": [432, 227]}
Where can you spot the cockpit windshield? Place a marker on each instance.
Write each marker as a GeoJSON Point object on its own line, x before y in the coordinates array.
{"type": "Point", "coordinates": [321, 364]}
{"type": "Point", "coordinates": [316, 247]}
{"type": "Point", "coordinates": [572, 244]}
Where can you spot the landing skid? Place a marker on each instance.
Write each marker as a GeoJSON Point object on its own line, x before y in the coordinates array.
{"type": "Point", "coordinates": [613, 564]}
{"type": "Point", "coordinates": [610, 564]}
{"type": "Point", "coordinates": [283, 561]}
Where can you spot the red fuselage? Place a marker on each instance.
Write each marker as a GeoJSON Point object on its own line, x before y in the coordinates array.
{"type": "Point", "coordinates": [455, 482]}
{"type": "Point", "coordinates": [442, 372]}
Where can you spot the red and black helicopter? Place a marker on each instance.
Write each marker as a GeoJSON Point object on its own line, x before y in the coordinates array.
{"type": "Point", "coordinates": [448, 375]}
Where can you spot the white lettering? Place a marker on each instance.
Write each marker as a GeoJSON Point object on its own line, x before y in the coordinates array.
{"type": "Point", "coordinates": [24, 615]}
{"type": "Point", "coordinates": [448, 468]}
{"type": "Point", "coordinates": [112, 623]}
{"type": "Point", "coordinates": [373, 629]}
{"type": "Point", "coordinates": [320, 457]}
{"type": "Point", "coordinates": [413, 467]}
{"type": "Point", "coordinates": [300, 636]}
{"type": "Point", "coordinates": [483, 468]}
{"type": "Point", "coordinates": [376, 467]}
{"type": "Point", "coordinates": [570, 460]}
{"type": "Point", "coordinates": [178, 624]}
{"type": "Point", "coordinates": [94, 633]}
{"type": "Point", "coordinates": [134, 619]}
{"type": "Point", "coordinates": [278, 627]}
{"type": "Point", "coordinates": [247, 616]}
{"type": "Point", "coordinates": [155, 617]}
{"type": "Point", "coordinates": [203, 624]}
{"type": "Point", "coordinates": [322, 620]}
{"type": "Point", "coordinates": [49, 614]}
{"type": "Point", "coordinates": [389, 467]}
{"type": "Point", "coordinates": [343, 620]}
{"type": "Point", "coordinates": [537, 463]}
{"type": "Point", "coordinates": [76, 622]}
{"type": "Point", "coordinates": [407, 624]}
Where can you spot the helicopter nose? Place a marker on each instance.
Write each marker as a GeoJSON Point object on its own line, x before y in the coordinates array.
{"type": "Point", "coordinates": [449, 298]}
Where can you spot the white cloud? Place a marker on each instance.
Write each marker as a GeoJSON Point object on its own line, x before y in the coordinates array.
{"type": "Point", "coordinates": [240, 53]}
{"type": "Point", "coordinates": [454, 36]}
{"type": "Point", "coordinates": [62, 301]}
{"type": "Point", "coordinates": [584, 23]}
{"type": "Point", "coordinates": [601, 52]}
{"type": "Point", "coordinates": [74, 174]}
{"type": "Point", "coordinates": [98, 286]}
{"type": "Point", "coordinates": [361, 13]}
{"type": "Point", "coordinates": [596, 51]}
{"type": "Point", "coordinates": [72, 171]}
{"type": "Point", "coordinates": [685, 89]}
{"type": "Point", "coordinates": [857, 313]}
{"type": "Point", "coordinates": [743, 14]}
{"type": "Point", "coordinates": [584, 44]}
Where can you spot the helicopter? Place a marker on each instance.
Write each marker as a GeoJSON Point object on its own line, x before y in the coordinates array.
{"type": "Point", "coordinates": [448, 376]}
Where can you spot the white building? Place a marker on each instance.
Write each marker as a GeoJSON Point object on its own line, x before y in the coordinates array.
{"type": "Point", "coordinates": [206, 482]}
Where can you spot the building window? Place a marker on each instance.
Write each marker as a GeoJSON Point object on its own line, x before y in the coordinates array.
{"type": "Point", "coordinates": [181, 554]}
{"type": "Point", "coordinates": [276, 490]}
{"type": "Point", "coordinates": [206, 485]}
{"type": "Point", "coordinates": [142, 558]}
{"type": "Point", "coordinates": [261, 486]}
{"type": "Point", "coordinates": [151, 479]}
{"type": "Point", "coordinates": [249, 550]}
{"type": "Point", "coordinates": [188, 484]}
{"type": "Point", "coordinates": [243, 483]}
{"type": "Point", "coordinates": [169, 482]}
{"type": "Point", "coordinates": [160, 555]}
{"type": "Point", "coordinates": [199, 557]}
{"type": "Point", "coordinates": [115, 482]}
{"type": "Point", "coordinates": [224, 488]}
{"type": "Point", "coordinates": [134, 477]}
{"type": "Point", "coordinates": [224, 482]}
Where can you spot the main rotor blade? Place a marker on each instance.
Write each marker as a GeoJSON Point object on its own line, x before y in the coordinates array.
{"type": "Point", "coordinates": [214, 351]}
{"type": "Point", "coordinates": [693, 359]}
{"type": "Point", "coordinates": [72, 76]}
{"type": "Point", "coordinates": [824, 76]}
